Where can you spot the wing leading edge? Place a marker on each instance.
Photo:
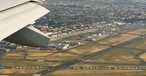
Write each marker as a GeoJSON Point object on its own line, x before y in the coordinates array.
{"type": "Point", "coordinates": [15, 20]}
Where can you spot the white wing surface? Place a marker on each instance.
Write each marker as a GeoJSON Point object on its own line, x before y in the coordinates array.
{"type": "Point", "coordinates": [6, 4]}
{"type": "Point", "coordinates": [16, 15]}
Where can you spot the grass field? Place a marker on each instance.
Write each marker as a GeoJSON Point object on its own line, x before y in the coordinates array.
{"type": "Point", "coordinates": [119, 55]}
{"type": "Point", "coordinates": [56, 57]}
{"type": "Point", "coordinates": [16, 72]}
{"type": "Point", "coordinates": [90, 48]}
{"type": "Point", "coordinates": [142, 46]}
{"type": "Point", "coordinates": [143, 56]}
{"type": "Point", "coordinates": [118, 39]}
{"type": "Point", "coordinates": [123, 55]}
{"type": "Point", "coordinates": [138, 32]}
{"type": "Point", "coordinates": [97, 73]}
{"type": "Point", "coordinates": [26, 63]}
{"type": "Point", "coordinates": [137, 44]}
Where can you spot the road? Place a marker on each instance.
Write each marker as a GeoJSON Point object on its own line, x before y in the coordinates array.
{"type": "Point", "coordinates": [108, 67]}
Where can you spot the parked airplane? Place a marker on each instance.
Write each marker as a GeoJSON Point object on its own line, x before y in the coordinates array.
{"type": "Point", "coordinates": [16, 17]}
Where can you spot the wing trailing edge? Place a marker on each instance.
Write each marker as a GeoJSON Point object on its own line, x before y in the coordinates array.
{"type": "Point", "coordinates": [29, 36]}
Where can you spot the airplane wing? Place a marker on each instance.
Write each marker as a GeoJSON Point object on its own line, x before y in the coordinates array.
{"type": "Point", "coordinates": [16, 16]}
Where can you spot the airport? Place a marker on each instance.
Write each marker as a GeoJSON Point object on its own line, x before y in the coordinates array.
{"type": "Point", "coordinates": [72, 38]}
